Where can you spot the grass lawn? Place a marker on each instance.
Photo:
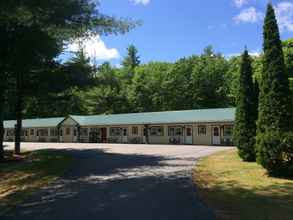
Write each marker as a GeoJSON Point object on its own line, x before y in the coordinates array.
{"type": "Point", "coordinates": [239, 190]}
{"type": "Point", "coordinates": [19, 179]}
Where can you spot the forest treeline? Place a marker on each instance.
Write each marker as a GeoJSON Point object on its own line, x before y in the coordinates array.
{"type": "Point", "coordinates": [208, 80]}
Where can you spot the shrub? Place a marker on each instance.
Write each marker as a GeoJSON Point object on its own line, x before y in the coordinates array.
{"type": "Point", "coordinates": [276, 152]}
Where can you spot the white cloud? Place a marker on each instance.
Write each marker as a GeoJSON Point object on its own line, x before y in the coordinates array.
{"type": "Point", "coordinates": [95, 49]}
{"type": "Point", "coordinates": [141, 2]}
{"type": "Point", "coordinates": [240, 3]}
{"type": "Point", "coordinates": [254, 53]}
{"type": "Point", "coordinates": [284, 13]}
{"type": "Point", "coordinates": [248, 15]}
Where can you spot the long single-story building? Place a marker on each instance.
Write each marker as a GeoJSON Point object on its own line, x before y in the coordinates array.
{"type": "Point", "coordinates": [198, 127]}
{"type": "Point", "coordinates": [34, 130]}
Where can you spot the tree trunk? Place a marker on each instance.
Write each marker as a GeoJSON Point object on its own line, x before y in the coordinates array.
{"type": "Point", "coordinates": [18, 109]}
{"type": "Point", "coordinates": [2, 103]}
{"type": "Point", "coordinates": [1, 137]}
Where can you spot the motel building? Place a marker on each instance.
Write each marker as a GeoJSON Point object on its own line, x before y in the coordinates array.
{"type": "Point", "coordinates": [190, 127]}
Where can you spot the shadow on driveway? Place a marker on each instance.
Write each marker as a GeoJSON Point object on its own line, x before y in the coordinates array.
{"type": "Point", "coordinates": [111, 186]}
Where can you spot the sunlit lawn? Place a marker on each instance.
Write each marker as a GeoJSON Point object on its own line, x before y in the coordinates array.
{"type": "Point", "coordinates": [19, 179]}
{"type": "Point", "coordinates": [239, 190]}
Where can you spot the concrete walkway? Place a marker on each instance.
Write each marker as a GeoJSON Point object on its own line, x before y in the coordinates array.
{"type": "Point", "coordinates": [112, 182]}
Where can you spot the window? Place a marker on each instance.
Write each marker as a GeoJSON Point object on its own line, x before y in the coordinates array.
{"type": "Point", "coordinates": [144, 132]}
{"type": "Point", "coordinates": [175, 131]}
{"type": "Point", "coordinates": [10, 132]}
{"type": "Point", "coordinates": [74, 132]}
{"type": "Point", "coordinates": [84, 132]}
{"type": "Point", "coordinates": [61, 132]}
{"type": "Point", "coordinates": [53, 132]}
{"type": "Point", "coordinates": [202, 130]}
{"type": "Point", "coordinates": [125, 131]}
{"type": "Point", "coordinates": [134, 130]}
{"type": "Point", "coordinates": [68, 131]}
{"type": "Point", "coordinates": [171, 131]}
{"type": "Point", "coordinates": [96, 130]}
{"type": "Point", "coordinates": [32, 132]}
{"type": "Point", "coordinates": [157, 131]}
{"type": "Point", "coordinates": [188, 132]}
{"type": "Point", "coordinates": [115, 131]}
{"type": "Point", "coordinates": [24, 132]}
{"type": "Point", "coordinates": [43, 132]}
{"type": "Point", "coordinates": [228, 130]}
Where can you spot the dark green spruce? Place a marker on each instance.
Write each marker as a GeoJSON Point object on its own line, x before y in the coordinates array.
{"type": "Point", "coordinates": [246, 111]}
{"type": "Point", "coordinates": [274, 141]}
{"type": "Point", "coordinates": [131, 61]}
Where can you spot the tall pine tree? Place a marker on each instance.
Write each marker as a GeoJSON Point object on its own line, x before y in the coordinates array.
{"type": "Point", "coordinates": [246, 112]}
{"type": "Point", "coordinates": [131, 61]}
{"type": "Point", "coordinates": [274, 150]}
{"type": "Point", "coordinates": [37, 33]}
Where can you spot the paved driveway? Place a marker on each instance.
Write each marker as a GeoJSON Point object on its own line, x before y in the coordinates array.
{"type": "Point", "coordinates": [112, 182]}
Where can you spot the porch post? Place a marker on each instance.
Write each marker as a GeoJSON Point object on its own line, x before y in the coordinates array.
{"type": "Point", "coordinates": [58, 131]}
{"type": "Point", "coordinates": [147, 134]}
{"type": "Point", "coordinates": [78, 134]}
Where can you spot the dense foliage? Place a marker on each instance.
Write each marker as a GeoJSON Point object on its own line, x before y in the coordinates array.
{"type": "Point", "coordinates": [246, 111]}
{"type": "Point", "coordinates": [208, 80]}
{"type": "Point", "coordinates": [194, 82]}
{"type": "Point", "coordinates": [34, 83]}
{"type": "Point", "coordinates": [274, 141]}
{"type": "Point", "coordinates": [33, 35]}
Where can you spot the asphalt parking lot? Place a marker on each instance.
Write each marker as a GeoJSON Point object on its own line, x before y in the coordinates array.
{"type": "Point", "coordinates": [120, 181]}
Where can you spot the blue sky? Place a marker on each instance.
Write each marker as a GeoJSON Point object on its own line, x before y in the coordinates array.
{"type": "Point", "coordinates": [173, 29]}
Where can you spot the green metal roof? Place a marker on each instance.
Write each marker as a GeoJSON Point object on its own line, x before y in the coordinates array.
{"type": "Point", "coordinates": [35, 123]}
{"type": "Point", "coordinates": [169, 117]}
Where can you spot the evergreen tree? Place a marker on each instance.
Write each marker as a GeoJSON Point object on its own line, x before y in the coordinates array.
{"type": "Point", "coordinates": [131, 61]}
{"type": "Point", "coordinates": [79, 70]}
{"type": "Point", "coordinates": [4, 61]}
{"type": "Point", "coordinates": [37, 32]}
{"type": "Point", "coordinates": [246, 112]}
{"type": "Point", "coordinates": [274, 150]}
{"type": "Point", "coordinates": [3, 83]}
{"type": "Point", "coordinates": [256, 92]}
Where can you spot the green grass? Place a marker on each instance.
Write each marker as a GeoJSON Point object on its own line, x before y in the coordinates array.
{"type": "Point", "coordinates": [19, 179]}
{"type": "Point", "coordinates": [240, 190]}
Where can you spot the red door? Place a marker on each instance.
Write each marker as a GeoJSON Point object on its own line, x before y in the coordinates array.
{"type": "Point", "coordinates": [104, 135]}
